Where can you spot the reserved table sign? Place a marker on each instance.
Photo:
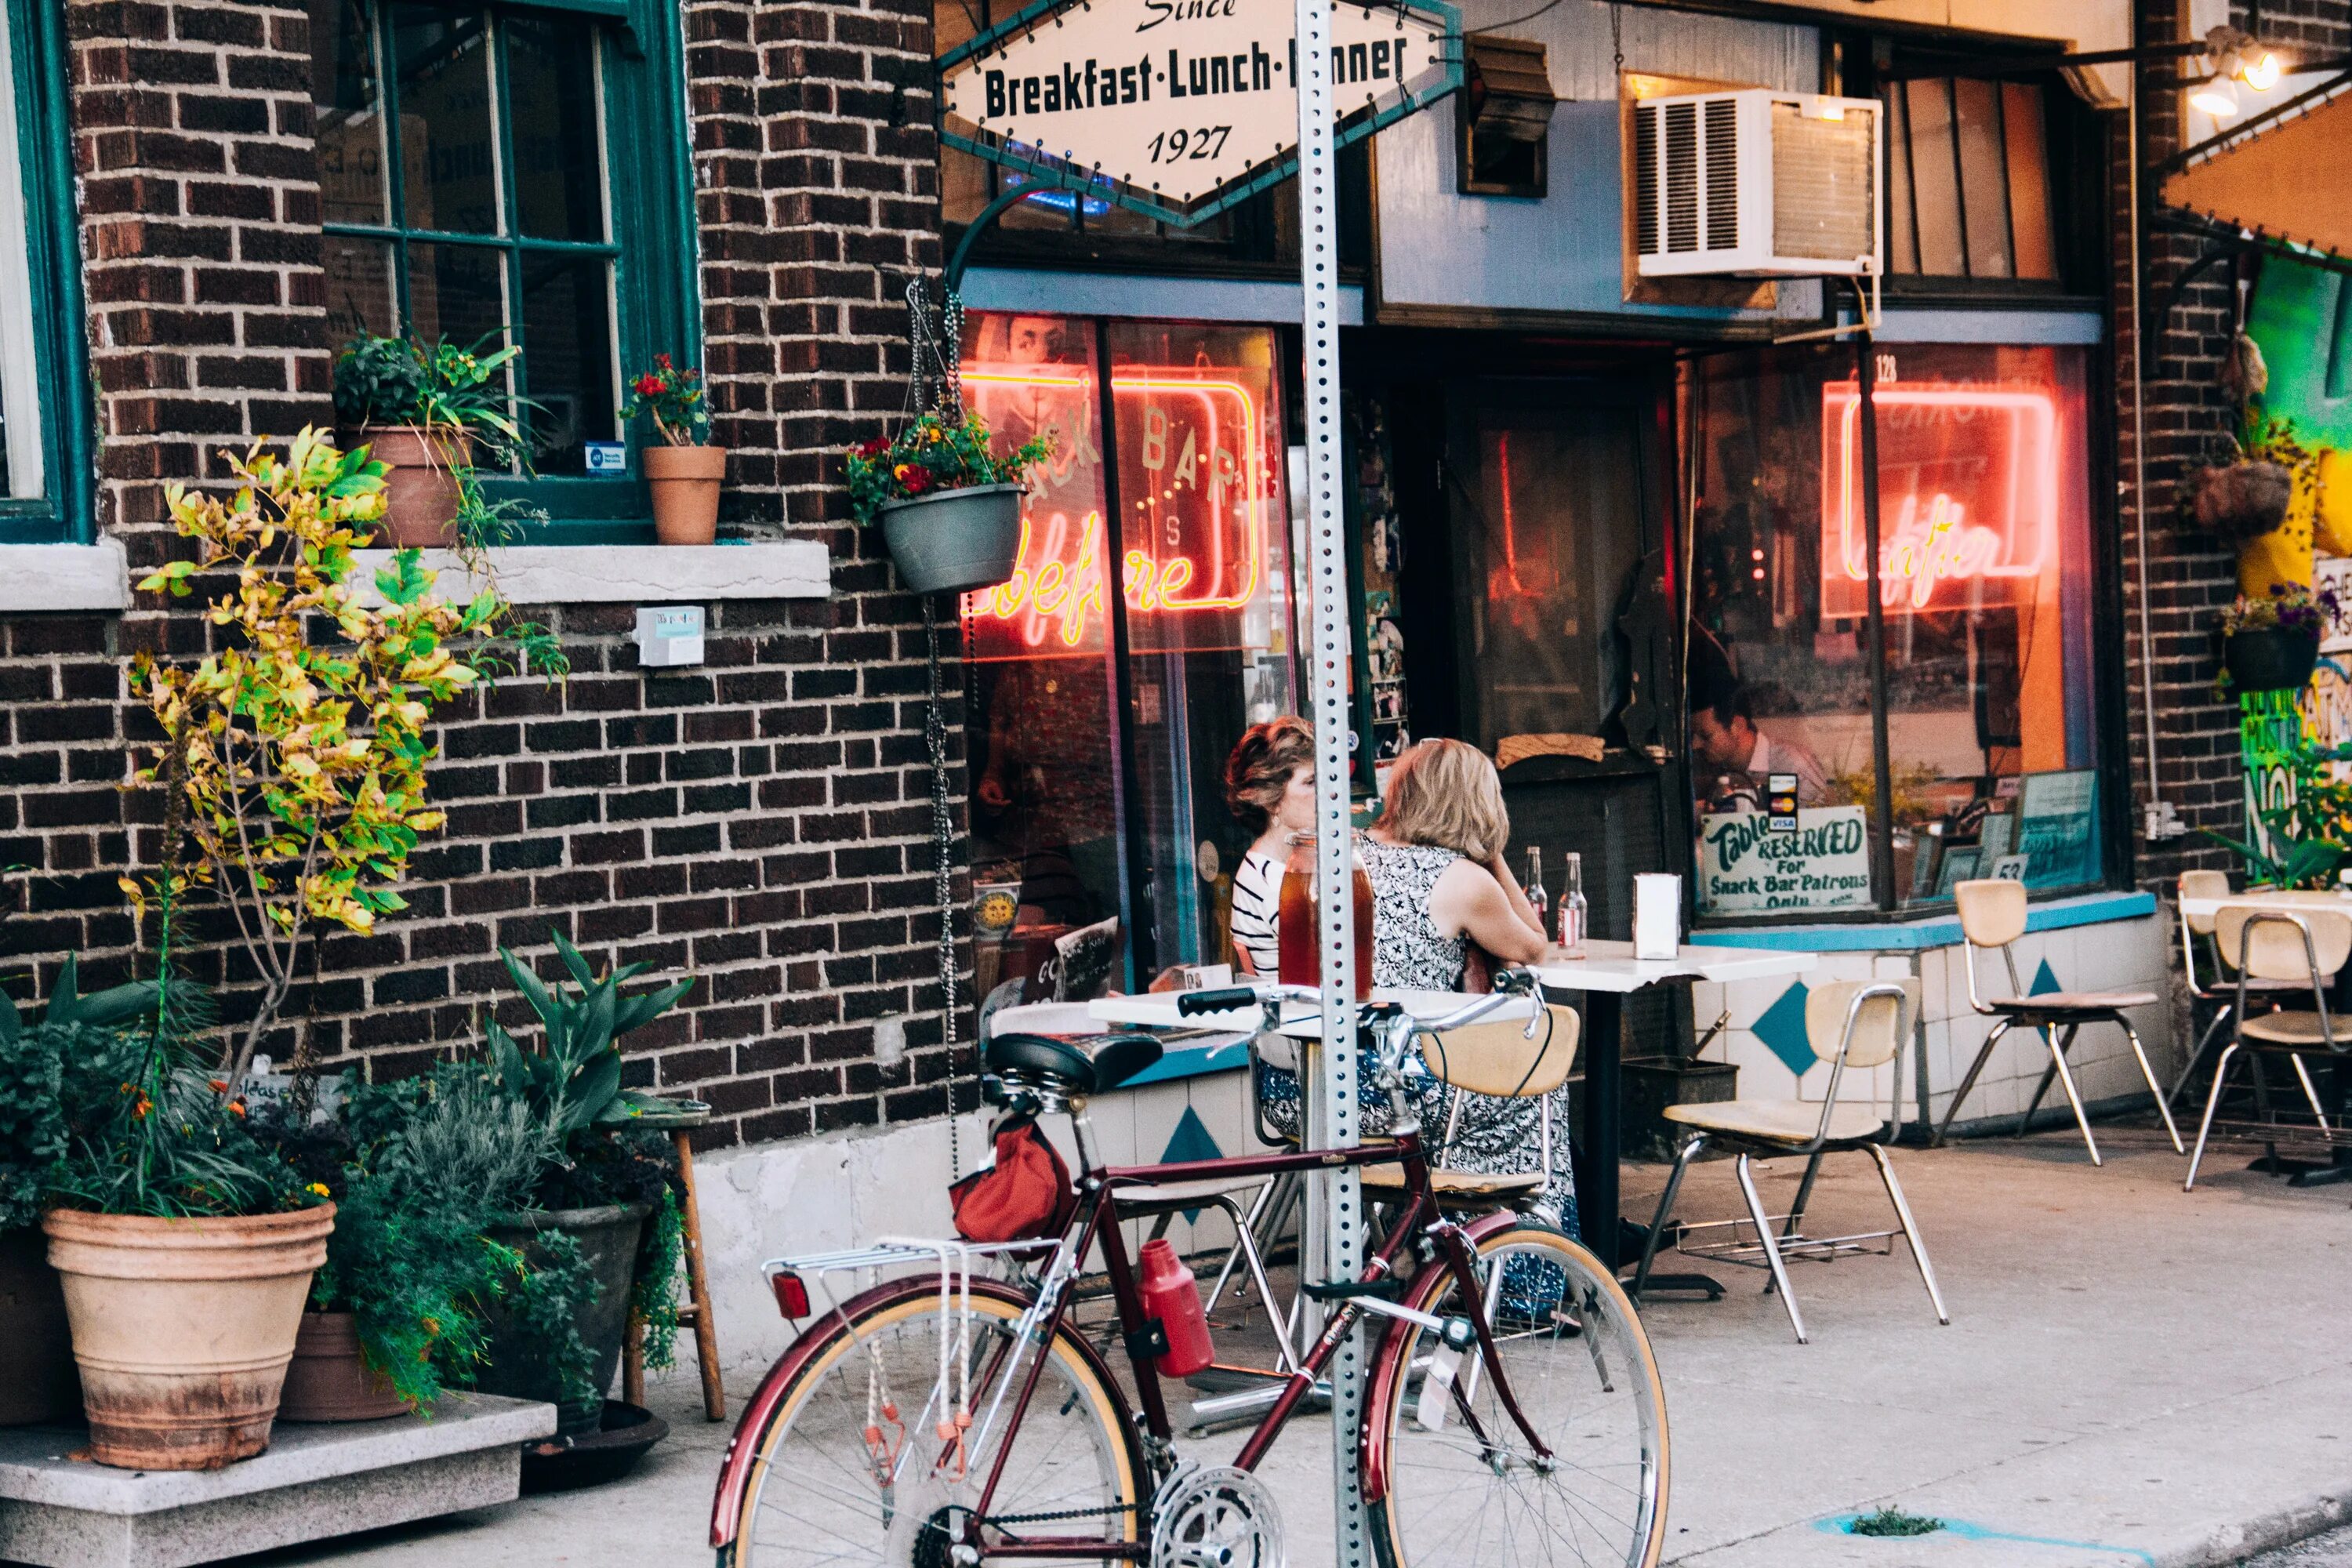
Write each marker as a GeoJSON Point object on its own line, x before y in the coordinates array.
{"type": "Point", "coordinates": [1746, 868]}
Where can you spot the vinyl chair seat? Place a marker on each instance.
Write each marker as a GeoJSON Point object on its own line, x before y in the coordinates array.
{"type": "Point", "coordinates": [2050, 1003]}
{"type": "Point", "coordinates": [1460, 1184]}
{"type": "Point", "coordinates": [1790, 1122]}
{"type": "Point", "coordinates": [2296, 1031]}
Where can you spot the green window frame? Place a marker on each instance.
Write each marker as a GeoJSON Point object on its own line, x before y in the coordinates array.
{"type": "Point", "coordinates": [47, 491]}
{"type": "Point", "coordinates": [640, 243]}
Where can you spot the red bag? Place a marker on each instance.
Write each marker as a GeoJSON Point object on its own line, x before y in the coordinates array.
{"type": "Point", "coordinates": [1026, 1194]}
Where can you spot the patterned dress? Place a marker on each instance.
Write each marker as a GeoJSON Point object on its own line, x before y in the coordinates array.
{"type": "Point", "coordinates": [1498, 1136]}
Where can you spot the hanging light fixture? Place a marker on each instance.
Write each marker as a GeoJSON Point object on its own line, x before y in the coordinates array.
{"type": "Point", "coordinates": [2262, 73]}
{"type": "Point", "coordinates": [2217, 99]}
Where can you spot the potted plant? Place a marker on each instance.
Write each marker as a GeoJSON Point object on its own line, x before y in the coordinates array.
{"type": "Point", "coordinates": [419, 1170]}
{"type": "Point", "coordinates": [186, 1249]}
{"type": "Point", "coordinates": [2271, 642]}
{"type": "Point", "coordinates": [684, 470]}
{"type": "Point", "coordinates": [423, 410]}
{"type": "Point", "coordinates": [950, 510]}
{"type": "Point", "coordinates": [584, 1225]}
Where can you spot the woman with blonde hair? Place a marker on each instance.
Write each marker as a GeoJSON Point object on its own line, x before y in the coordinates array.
{"type": "Point", "coordinates": [1439, 884]}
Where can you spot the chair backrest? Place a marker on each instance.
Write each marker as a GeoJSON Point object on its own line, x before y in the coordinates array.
{"type": "Point", "coordinates": [1881, 1024]}
{"type": "Point", "coordinates": [1992, 911]}
{"type": "Point", "coordinates": [2202, 884]}
{"type": "Point", "coordinates": [2267, 941]}
{"type": "Point", "coordinates": [1500, 1061]}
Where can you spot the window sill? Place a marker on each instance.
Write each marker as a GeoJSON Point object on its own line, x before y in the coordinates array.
{"type": "Point", "coordinates": [65, 576]}
{"type": "Point", "coordinates": [641, 573]}
{"type": "Point", "coordinates": [1933, 931]}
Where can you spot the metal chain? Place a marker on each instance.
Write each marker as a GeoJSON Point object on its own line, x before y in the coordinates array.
{"type": "Point", "coordinates": [1616, 39]}
{"type": "Point", "coordinates": [935, 738]}
{"type": "Point", "coordinates": [918, 337]}
{"type": "Point", "coordinates": [951, 350]}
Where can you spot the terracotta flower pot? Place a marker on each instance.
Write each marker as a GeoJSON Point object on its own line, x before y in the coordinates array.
{"type": "Point", "coordinates": [329, 1380]}
{"type": "Point", "coordinates": [420, 489]}
{"type": "Point", "coordinates": [183, 1328]}
{"type": "Point", "coordinates": [685, 483]}
{"type": "Point", "coordinates": [39, 1384]}
{"type": "Point", "coordinates": [953, 541]}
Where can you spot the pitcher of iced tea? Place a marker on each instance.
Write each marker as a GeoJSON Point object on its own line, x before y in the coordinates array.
{"type": "Point", "coordinates": [1299, 920]}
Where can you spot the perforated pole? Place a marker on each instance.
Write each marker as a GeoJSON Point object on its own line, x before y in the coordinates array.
{"type": "Point", "coordinates": [1340, 1209]}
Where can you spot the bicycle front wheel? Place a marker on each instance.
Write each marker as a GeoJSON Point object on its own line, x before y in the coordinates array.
{"type": "Point", "coordinates": [1464, 1486]}
{"type": "Point", "coordinates": [842, 1481]}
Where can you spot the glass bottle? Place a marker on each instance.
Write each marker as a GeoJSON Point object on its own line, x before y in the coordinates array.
{"type": "Point", "coordinates": [1571, 905]}
{"type": "Point", "coordinates": [1538, 900]}
{"type": "Point", "coordinates": [1299, 924]}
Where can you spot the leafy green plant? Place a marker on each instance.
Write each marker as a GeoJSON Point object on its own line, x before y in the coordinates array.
{"type": "Point", "coordinates": [35, 1130]}
{"type": "Point", "coordinates": [940, 451]}
{"type": "Point", "coordinates": [452, 392]}
{"type": "Point", "coordinates": [2288, 606]}
{"type": "Point", "coordinates": [572, 1081]}
{"type": "Point", "coordinates": [1892, 1522]}
{"type": "Point", "coordinates": [672, 399]}
{"type": "Point", "coordinates": [296, 746]}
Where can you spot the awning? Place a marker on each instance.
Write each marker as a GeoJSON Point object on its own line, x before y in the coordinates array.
{"type": "Point", "coordinates": [2285, 180]}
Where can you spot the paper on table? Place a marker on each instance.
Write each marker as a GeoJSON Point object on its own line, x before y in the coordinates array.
{"type": "Point", "coordinates": [1657, 915]}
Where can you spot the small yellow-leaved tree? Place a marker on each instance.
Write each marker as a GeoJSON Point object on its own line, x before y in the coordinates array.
{"type": "Point", "coordinates": [296, 753]}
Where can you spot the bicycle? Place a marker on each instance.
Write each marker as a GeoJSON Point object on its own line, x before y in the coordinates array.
{"type": "Point", "coordinates": [1513, 1410]}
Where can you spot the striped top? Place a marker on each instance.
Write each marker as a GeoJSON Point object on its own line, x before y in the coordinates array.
{"type": "Point", "coordinates": [1257, 903]}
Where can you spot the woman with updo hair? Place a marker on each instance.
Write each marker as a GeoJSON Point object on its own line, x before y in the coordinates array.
{"type": "Point", "coordinates": [1270, 788]}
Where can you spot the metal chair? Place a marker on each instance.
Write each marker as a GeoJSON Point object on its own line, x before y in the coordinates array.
{"type": "Point", "coordinates": [1992, 915]}
{"type": "Point", "coordinates": [1849, 1024]}
{"type": "Point", "coordinates": [2196, 939]}
{"type": "Point", "coordinates": [2304, 948]}
{"type": "Point", "coordinates": [1499, 1062]}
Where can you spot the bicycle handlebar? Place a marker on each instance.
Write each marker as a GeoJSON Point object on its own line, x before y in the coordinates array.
{"type": "Point", "coordinates": [1508, 983]}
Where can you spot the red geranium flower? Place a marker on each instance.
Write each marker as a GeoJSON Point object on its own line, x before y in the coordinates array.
{"type": "Point", "coordinates": [915, 478]}
{"type": "Point", "coordinates": [649, 385]}
{"type": "Point", "coordinates": [873, 448]}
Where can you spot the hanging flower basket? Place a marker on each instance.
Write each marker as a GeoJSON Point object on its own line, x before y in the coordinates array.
{"type": "Point", "coordinates": [2274, 659]}
{"type": "Point", "coordinates": [952, 540]}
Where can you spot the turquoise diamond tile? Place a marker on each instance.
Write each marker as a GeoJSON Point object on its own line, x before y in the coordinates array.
{"type": "Point", "coordinates": [2044, 982]}
{"type": "Point", "coordinates": [1782, 1027]}
{"type": "Point", "coordinates": [1191, 1140]}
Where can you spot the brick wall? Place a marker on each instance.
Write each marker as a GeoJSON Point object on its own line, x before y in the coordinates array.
{"type": "Point", "coordinates": [2191, 577]}
{"type": "Point", "coordinates": [762, 821]}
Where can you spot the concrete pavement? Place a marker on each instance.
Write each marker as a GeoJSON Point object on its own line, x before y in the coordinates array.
{"type": "Point", "coordinates": [2134, 1375]}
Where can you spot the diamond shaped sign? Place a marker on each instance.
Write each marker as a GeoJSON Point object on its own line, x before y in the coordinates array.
{"type": "Point", "coordinates": [1178, 109]}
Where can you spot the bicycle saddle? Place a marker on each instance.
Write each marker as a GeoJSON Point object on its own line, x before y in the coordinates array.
{"type": "Point", "coordinates": [1111, 1060]}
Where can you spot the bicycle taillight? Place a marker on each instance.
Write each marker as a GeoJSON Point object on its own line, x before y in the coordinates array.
{"type": "Point", "coordinates": [792, 1293]}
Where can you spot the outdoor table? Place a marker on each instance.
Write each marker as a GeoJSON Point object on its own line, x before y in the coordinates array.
{"type": "Point", "coordinates": [1156, 1010]}
{"type": "Point", "coordinates": [2338, 1168]}
{"type": "Point", "coordinates": [1607, 971]}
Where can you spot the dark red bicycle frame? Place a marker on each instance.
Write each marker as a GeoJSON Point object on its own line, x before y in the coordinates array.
{"type": "Point", "coordinates": [1099, 1199]}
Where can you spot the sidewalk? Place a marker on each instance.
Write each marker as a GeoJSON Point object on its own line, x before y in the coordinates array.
{"type": "Point", "coordinates": [2134, 1375]}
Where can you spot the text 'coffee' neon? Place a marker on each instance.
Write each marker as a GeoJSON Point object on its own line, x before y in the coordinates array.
{"type": "Point", "coordinates": [1968, 496]}
{"type": "Point", "coordinates": [1057, 588]}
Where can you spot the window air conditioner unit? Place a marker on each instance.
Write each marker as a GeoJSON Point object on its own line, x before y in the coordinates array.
{"type": "Point", "coordinates": [1757, 182]}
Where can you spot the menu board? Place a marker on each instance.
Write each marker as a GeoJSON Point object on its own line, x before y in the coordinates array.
{"type": "Point", "coordinates": [2058, 828]}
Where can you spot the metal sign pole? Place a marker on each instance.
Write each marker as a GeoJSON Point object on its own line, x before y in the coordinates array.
{"type": "Point", "coordinates": [1340, 1207]}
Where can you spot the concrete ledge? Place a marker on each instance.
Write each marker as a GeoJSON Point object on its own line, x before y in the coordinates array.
{"type": "Point", "coordinates": [638, 573]}
{"type": "Point", "coordinates": [65, 576]}
{"type": "Point", "coordinates": [316, 1482]}
{"type": "Point", "coordinates": [1935, 930]}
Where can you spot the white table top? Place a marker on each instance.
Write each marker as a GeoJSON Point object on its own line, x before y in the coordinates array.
{"type": "Point", "coordinates": [2293, 898]}
{"type": "Point", "coordinates": [1156, 1010]}
{"type": "Point", "coordinates": [1611, 966]}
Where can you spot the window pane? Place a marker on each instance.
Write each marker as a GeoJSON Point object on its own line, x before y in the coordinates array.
{"type": "Point", "coordinates": [1984, 176]}
{"type": "Point", "coordinates": [1935, 178]}
{"type": "Point", "coordinates": [360, 296]}
{"type": "Point", "coordinates": [449, 165]}
{"type": "Point", "coordinates": [1205, 563]}
{"type": "Point", "coordinates": [2029, 180]}
{"type": "Point", "coordinates": [1038, 655]}
{"type": "Point", "coordinates": [20, 427]}
{"type": "Point", "coordinates": [557, 146]}
{"type": "Point", "coordinates": [456, 293]}
{"type": "Point", "coordinates": [1901, 233]}
{"type": "Point", "coordinates": [349, 98]}
{"type": "Point", "coordinates": [567, 357]}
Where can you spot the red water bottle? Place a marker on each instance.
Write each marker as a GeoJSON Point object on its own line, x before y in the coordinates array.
{"type": "Point", "coordinates": [1171, 1295]}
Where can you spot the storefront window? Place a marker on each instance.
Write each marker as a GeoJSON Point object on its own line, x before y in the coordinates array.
{"type": "Point", "coordinates": [1089, 809]}
{"type": "Point", "coordinates": [1984, 575]}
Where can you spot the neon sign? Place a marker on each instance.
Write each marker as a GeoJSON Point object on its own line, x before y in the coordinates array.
{"type": "Point", "coordinates": [1198, 534]}
{"type": "Point", "coordinates": [1969, 502]}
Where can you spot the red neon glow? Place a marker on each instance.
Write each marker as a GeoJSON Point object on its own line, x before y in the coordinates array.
{"type": "Point", "coordinates": [1056, 585]}
{"type": "Point", "coordinates": [1980, 509]}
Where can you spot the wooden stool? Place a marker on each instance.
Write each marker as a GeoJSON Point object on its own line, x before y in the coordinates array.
{"type": "Point", "coordinates": [679, 1124]}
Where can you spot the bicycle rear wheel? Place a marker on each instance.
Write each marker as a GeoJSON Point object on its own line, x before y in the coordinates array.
{"type": "Point", "coordinates": [819, 1493]}
{"type": "Point", "coordinates": [1464, 1488]}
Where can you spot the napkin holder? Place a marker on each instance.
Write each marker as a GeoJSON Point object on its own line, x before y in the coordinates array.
{"type": "Point", "coordinates": [1657, 915]}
